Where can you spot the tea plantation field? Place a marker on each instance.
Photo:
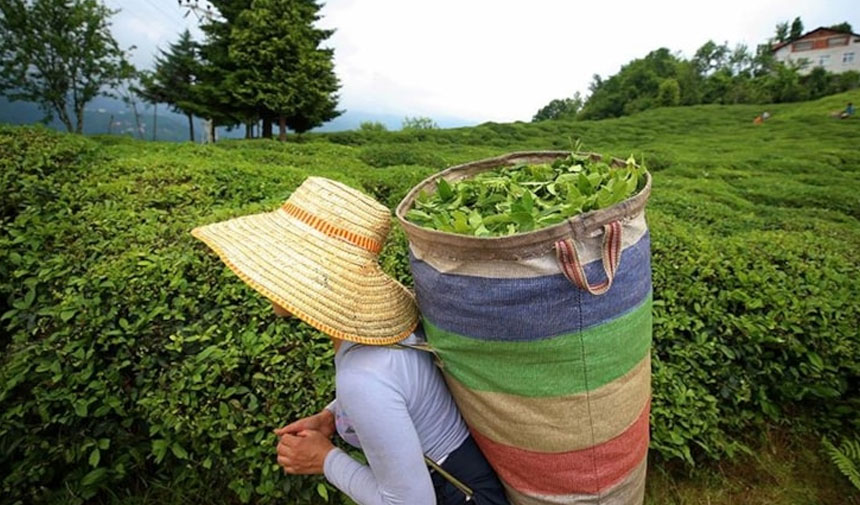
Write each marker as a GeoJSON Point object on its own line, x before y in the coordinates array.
{"type": "Point", "coordinates": [135, 368]}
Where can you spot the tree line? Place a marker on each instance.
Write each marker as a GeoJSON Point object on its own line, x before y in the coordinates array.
{"type": "Point", "coordinates": [717, 73]}
{"type": "Point", "coordinates": [261, 61]}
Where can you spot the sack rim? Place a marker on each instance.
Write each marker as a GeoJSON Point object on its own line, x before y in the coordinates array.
{"type": "Point", "coordinates": [521, 245]}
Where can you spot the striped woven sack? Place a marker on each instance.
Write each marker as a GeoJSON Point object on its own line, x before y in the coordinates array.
{"type": "Point", "coordinates": [545, 343]}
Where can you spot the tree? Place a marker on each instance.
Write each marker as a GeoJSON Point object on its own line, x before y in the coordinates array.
{"type": "Point", "coordinates": [217, 92]}
{"type": "Point", "coordinates": [782, 32]}
{"type": "Point", "coordinates": [317, 83]}
{"type": "Point", "coordinates": [176, 73]}
{"type": "Point", "coordinates": [763, 61]}
{"type": "Point", "coordinates": [560, 108]}
{"type": "Point", "coordinates": [634, 88]}
{"type": "Point", "coordinates": [711, 57]}
{"type": "Point", "coordinates": [669, 93]}
{"type": "Point", "coordinates": [152, 94]}
{"type": "Point", "coordinates": [59, 54]}
{"type": "Point", "coordinates": [372, 126]}
{"type": "Point", "coordinates": [796, 29]}
{"type": "Point", "coordinates": [817, 83]}
{"type": "Point", "coordinates": [843, 27]}
{"type": "Point", "coordinates": [276, 43]}
{"type": "Point", "coordinates": [129, 97]}
{"type": "Point", "coordinates": [418, 123]}
{"type": "Point", "coordinates": [783, 84]}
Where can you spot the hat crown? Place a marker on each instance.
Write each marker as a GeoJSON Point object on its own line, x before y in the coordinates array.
{"type": "Point", "coordinates": [339, 206]}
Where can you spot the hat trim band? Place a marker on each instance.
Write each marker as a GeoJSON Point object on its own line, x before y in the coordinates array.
{"type": "Point", "coordinates": [331, 230]}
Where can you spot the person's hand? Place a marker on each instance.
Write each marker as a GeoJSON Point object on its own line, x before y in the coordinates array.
{"type": "Point", "coordinates": [303, 453]}
{"type": "Point", "coordinates": [322, 422]}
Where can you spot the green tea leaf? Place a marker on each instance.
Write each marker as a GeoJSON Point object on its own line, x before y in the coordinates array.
{"type": "Point", "coordinates": [95, 457]}
{"type": "Point", "coordinates": [322, 491]}
{"type": "Point", "coordinates": [93, 477]}
{"type": "Point", "coordinates": [521, 198]}
{"type": "Point", "coordinates": [443, 189]}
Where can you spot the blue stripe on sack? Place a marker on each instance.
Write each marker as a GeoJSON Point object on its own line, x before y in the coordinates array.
{"type": "Point", "coordinates": [530, 308]}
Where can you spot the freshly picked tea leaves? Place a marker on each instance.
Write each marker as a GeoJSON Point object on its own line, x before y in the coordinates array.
{"type": "Point", "coordinates": [521, 198]}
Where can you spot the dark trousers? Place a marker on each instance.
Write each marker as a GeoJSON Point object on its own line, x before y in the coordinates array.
{"type": "Point", "coordinates": [468, 465]}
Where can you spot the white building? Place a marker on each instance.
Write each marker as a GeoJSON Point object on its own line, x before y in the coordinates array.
{"type": "Point", "coordinates": [836, 51]}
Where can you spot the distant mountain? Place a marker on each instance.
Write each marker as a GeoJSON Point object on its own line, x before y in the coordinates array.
{"type": "Point", "coordinates": [109, 115]}
{"type": "Point", "coordinates": [350, 120]}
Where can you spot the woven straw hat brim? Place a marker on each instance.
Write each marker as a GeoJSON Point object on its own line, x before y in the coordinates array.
{"type": "Point", "coordinates": [333, 285]}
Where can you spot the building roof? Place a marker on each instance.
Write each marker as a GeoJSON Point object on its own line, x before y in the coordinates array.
{"type": "Point", "coordinates": [808, 34]}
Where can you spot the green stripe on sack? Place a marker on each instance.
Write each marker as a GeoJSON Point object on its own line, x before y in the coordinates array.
{"type": "Point", "coordinates": [566, 364]}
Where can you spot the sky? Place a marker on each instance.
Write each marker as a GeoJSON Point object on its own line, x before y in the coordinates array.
{"type": "Point", "coordinates": [499, 60]}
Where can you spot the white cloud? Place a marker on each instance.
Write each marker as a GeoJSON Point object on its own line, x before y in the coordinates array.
{"type": "Point", "coordinates": [149, 25]}
{"type": "Point", "coordinates": [502, 60]}
{"type": "Point", "coordinates": [497, 60]}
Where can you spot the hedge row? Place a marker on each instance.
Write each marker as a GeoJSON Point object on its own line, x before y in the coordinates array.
{"type": "Point", "coordinates": [135, 364]}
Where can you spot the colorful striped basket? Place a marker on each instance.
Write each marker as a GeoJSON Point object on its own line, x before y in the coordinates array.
{"type": "Point", "coordinates": [545, 342]}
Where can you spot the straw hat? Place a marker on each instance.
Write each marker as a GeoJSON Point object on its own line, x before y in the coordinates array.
{"type": "Point", "coordinates": [316, 256]}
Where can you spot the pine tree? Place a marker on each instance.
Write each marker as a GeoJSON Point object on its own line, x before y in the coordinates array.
{"type": "Point", "coordinates": [285, 72]}
{"type": "Point", "coordinates": [796, 29]}
{"type": "Point", "coordinates": [216, 93]}
{"type": "Point", "coordinates": [782, 32]}
{"type": "Point", "coordinates": [173, 81]}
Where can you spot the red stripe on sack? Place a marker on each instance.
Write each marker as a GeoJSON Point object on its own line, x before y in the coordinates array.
{"type": "Point", "coordinates": [563, 261]}
{"type": "Point", "coordinates": [575, 265]}
{"type": "Point", "coordinates": [610, 245]}
{"type": "Point", "coordinates": [609, 241]}
{"type": "Point", "coordinates": [586, 471]}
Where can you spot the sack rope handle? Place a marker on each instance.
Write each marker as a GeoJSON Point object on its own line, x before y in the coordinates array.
{"type": "Point", "coordinates": [572, 268]}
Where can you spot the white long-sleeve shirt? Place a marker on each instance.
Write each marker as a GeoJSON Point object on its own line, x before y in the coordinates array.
{"type": "Point", "coordinates": [394, 405]}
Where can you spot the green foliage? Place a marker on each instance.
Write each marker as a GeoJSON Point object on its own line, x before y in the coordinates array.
{"type": "Point", "coordinates": [669, 92]}
{"type": "Point", "coordinates": [172, 81]}
{"type": "Point", "coordinates": [509, 200]}
{"type": "Point", "coordinates": [217, 93]}
{"type": "Point", "coordinates": [560, 109]}
{"type": "Point", "coordinates": [418, 123]}
{"type": "Point", "coordinates": [372, 126]}
{"type": "Point", "coordinates": [715, 74]}
{"type": "Point", "coordinates": [59, 54]}
{"type": "Point", "coordinates": [844, 26]}
{"type": "Point", "coordinates": [796, 29]}
{"type": "Point", "coordinates": [281, 68]}
{"type": "Point", "coordinates": [386, 155]}
{"type": "Point", "coordinates": [846, 457]}
{"type": "Point", "coordinates": [781, 34]}
{"type": "Point", "coordinates": [135, 364]}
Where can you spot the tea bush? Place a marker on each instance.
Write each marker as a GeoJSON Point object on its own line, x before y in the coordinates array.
{"type": "Point", "coordinates": [135, 364]}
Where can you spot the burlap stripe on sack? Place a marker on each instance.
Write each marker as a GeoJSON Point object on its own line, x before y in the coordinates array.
{"type": "Point", "coordinates": [556, 423]}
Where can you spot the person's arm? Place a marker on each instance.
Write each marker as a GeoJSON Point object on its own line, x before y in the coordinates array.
{"type": "Point", "coordinates": [396, 473]}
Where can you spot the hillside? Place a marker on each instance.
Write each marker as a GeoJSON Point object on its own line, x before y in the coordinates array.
{"type": "Point", "coordinates": [160, 375]}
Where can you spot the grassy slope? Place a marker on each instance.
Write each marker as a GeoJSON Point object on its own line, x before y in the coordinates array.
{"type": "Point", "coordinates": [718, 179]}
